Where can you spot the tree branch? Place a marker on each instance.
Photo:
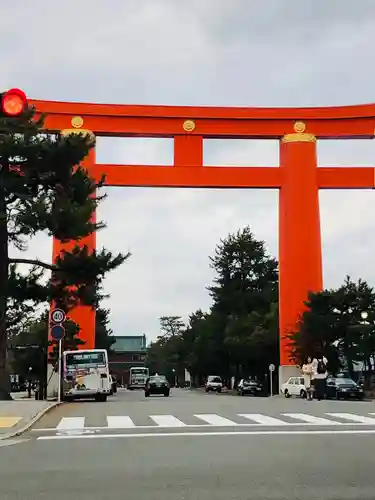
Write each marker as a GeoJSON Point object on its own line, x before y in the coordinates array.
{"type": "Point", "coordinates": [33, 262]}
{"type": "Point", "coordinates": [11, 199]}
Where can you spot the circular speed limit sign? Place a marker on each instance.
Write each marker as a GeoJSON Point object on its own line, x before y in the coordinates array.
{"type": "Point", "coordinates": [58, 316]}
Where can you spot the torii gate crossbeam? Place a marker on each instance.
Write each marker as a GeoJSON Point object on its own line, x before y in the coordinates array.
{"type": "Point", "coordinates": [298, 177]}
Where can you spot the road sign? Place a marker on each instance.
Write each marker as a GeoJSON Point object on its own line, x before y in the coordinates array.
{"type": "Point", "coordinates": [57, 332]}
{"type": "Point", "coordinates": [272, 367]}
{"type": "Point", "coordinates": [58, 316]}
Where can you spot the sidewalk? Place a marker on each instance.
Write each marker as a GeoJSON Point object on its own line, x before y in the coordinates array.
{"type": "Point", "coordinates": [18, 415]}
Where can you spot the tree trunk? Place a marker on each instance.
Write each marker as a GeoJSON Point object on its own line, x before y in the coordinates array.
{"type": "Point", "coordinates": [4, 375]}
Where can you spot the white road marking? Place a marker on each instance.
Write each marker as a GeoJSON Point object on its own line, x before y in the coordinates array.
{"type": "Point", "coordinates": [311, 419]}
{"type": "Point", "coordinates": [71, 423]}
{"type": "Point", "coordinates": [120, 422]}
{"type": "Point", "coordinates": [12, 442]}
{"type": "Point", "coordinates": [216, 420]}
{"type": "Point", "coordinates": [263, 419]}
{"type": "Point", "coordinates": [72, 432]}
{"type": "Point", "coordinates": [353, 418]}
{"type": "Point", "coordinates": [167, 421]}
{"type": "Point", "coordinates": [75, 424]}
{"type": "Point", "coordinates": [201, 434]}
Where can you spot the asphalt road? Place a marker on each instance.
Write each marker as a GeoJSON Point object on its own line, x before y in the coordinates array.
{"type": "Point", "coordinates": [152, 458]}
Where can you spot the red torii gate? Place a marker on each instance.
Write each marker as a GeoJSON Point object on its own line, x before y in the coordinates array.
{"type": "Point", "coordinates": [297, 177]}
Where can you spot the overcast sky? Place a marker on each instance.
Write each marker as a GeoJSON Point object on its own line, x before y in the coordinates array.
{"type": "Point", "coordinates": [199, 52]}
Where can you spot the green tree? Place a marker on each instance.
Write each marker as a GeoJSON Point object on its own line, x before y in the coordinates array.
{"type": "Point", "coordinates": [25, 293]}
{"type": "Point", "coordinates": [171, 326]}
{"type": "Point", "coordinates": [246, 276]}
{"type": "Point", "coordinates": [332, 324]}
{"type": "Point", "coordinates": [29, 346]}
{"type": "Point", "coordinates": [252, 342]}
{"type": "Point", "coordinates": [103, 333]}
{"type": "Point", "coordinates": [240, 332]}
{"type": "Point", "coordinates": [195, 345]}
{"type": "Point", "coordinates": [244, 289]}
{"type": "Point", "coordinates": [43, 187]}
{"type": "Point", "coordinates": [165, 354]}
{"type": "Point", "coordinates": [28, 349]}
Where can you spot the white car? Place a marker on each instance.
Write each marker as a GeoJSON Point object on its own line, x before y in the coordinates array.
{"type": "Point", "coordinates": [214, 383]}
{"type": "Point", "coordinates": [294, 386]}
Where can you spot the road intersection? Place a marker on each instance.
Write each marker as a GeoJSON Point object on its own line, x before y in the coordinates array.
{"type": "Point", "coordinates": [194, 446]}
{"type": "Point", "coordinates": [194, 413]}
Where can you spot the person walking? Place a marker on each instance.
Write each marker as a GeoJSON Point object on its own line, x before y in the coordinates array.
{"type": "Point", "coordinates": [307, 371]}
{"type": "Point", "coordinates": [319, 376]}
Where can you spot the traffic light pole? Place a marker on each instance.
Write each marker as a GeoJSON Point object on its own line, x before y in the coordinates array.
{"type": "Point", "coordinates": [12, 104]}
{"type": "Point", "coordinates": [4, 377]}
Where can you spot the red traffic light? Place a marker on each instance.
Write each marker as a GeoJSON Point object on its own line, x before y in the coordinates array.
{"type": "Point", "coordinates": [13, 102]}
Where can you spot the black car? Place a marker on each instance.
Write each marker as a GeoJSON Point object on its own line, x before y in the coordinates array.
{"type": "Point", "coordinates": [157, 384]}
{"type": "Point", "coordinates": [343, 388]}
{"type": "Point", "coordinates": [250, 387]}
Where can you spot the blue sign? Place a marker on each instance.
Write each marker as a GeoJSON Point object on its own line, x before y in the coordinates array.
{"type": "Point", "coordinates": [57, 332]}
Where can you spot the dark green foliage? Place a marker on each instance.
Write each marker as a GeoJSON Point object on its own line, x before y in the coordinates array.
{"type": "Point", "coordinates": [103, 333]}
{"type": "Point", "coordinates": [239, 335]}
{"type": "Point", "coordinates": [43, 187]}
{"type": "Point", "coordinates": [246, 277]}
{"type": "Point", "coordinates": [332, 325]}
{"type": "Point", "coordinates": [30, 344]}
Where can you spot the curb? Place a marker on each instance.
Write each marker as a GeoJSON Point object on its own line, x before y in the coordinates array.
{"type": "Point", "coordinates": [26, 427]}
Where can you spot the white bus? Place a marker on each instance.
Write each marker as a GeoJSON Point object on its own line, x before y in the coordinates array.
{"type": "Point", "coordinates": [137, 377]}
{"type": "Point", "coordinates": [86, 375]}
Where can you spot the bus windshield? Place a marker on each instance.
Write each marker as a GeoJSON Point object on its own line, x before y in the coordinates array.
{"type": "Point", "coordinates": [85, 359]}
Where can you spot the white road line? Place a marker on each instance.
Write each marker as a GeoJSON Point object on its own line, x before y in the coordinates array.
{"type": "Point", "coordinates": [202, 426]}
{"type": "Point", "coordinates": [120, 422]}
{"type": "Point", "coordinates": [201, 434]}
{"type": "Point", "coordinates": [216, 420]}
{"type": "Point", "coordinates": [71, 423]}
{"type": "Point", "coordinates": [353, 418]}
{"type": "Point", "coordinates": [311, 419]}
{"type": "Point", "coordinates": [167, 421]}
{"type": "Point", "coordinates": [263, 419]}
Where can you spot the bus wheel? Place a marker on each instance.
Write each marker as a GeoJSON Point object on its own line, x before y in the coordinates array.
{"type": "Point", "coordinates": [102, 398]}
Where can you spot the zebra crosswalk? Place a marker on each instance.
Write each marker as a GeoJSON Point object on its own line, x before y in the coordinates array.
{"type": "Point", "coordinates": [113, 422]}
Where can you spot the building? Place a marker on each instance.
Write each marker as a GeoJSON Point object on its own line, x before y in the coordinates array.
{"type": "Point", "coordinates": [127, 351]}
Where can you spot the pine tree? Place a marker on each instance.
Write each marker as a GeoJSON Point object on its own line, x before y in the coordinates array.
{"type": "Point", "coordinates": [245, 295]}
{"type": "Point", "coordinates": [246, 277]}
{"type": "Point", "coordinates": [104, 338]}
{"type": "Point", "coordinates": [43, 187]}
{"type": "Point", "coordinates": [332, 325]}
{"type": "Point", "coordinates": [240, 333]}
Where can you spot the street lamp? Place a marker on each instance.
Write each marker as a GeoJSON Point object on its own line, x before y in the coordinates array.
{"type": "Point", "coordinates": [364, 315]}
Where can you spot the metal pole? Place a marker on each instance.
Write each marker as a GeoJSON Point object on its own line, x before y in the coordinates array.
{"type": "Point", "coordinates": [271, 388]}
{"type": "Point", "coordinates": [59, 372]}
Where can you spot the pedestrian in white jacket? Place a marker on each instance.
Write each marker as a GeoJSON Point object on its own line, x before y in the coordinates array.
{"type": "Point", "coordinates": [307, 371]}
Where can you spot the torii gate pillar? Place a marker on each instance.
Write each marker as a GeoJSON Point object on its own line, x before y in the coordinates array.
{"type": "Point", "coordinates": [300, 255]}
